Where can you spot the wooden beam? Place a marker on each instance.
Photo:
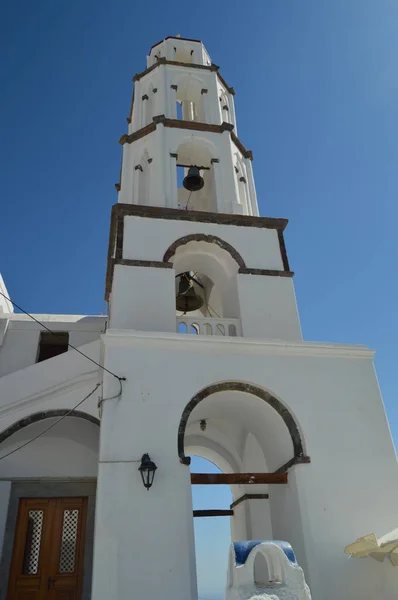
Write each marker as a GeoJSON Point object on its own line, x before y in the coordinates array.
{"type": "Point", "coordinates": [213, 513]}
{"type": "Point", "coordinates": [237, 478]}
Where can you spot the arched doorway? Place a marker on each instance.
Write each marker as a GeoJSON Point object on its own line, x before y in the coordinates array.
{"type": "Point", "coordinates": [48, 485]}
{"type": "Point", "coordinates": [244, 429]}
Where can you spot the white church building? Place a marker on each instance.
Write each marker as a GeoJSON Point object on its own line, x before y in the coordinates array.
{"type": "Point", "coordinates": [201, 354]}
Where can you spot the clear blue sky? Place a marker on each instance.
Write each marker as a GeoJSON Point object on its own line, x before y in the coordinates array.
{"type": "Point", "coordinates": [317, 102]}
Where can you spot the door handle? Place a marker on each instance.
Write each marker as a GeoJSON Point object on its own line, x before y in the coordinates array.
{"type": "Point", "coordinates": [49, 582]}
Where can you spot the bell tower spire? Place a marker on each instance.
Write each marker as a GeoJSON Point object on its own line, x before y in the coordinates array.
{"type": "Point", "coordinates": [183, 116]}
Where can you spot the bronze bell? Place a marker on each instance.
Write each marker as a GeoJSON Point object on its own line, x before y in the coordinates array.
{"type": "Point", "coordinates": [187, 299]}
{"type": "Point", "coordinates": [193, 180]}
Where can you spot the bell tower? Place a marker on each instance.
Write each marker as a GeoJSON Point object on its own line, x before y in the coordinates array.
{"type": "Point", "coordinates": [204, 330]}
{"type": "Point", "coordinates": [190, 260]}
{"type": "Point", "coordinates": [186, 224]}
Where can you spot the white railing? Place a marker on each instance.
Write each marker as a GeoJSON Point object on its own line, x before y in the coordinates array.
{"type": "Point", "coordinates": [208, 326]}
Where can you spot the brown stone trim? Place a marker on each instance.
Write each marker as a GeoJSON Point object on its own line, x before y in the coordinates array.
{"type": "Point", "coordinates": [270, 272]}
{"type": "Point", "coordinates": [131, 108]}
{"type": "Point", "coordinates": [163, 61]}
{"type": "Point", "coordinates": [119, 236]}
{"type": "Point", "coordinates": [111, 249]}
{"type": "Point", "coordinates": [240, 146]}
{"type": "Point", "coordinates": [119, 211]}
{"type": "Point", "coordinates": [159, 119]}
{"type": "Point", "coordinates": [249, 497]}
{"type": "Point", "coordinates": [174, 37]}
{"type": "Point", "coordinates": [128, 262]}
{"type": "Point", "coordinates": [227, 127]}
{"type": "Point", "coordinates": [282, 246]}
{"type": "Point", "coordinates": [296, 460]}
{"type": "Point", "coordinates": [137, 134]}
{"type": "Point", "coordinates": [227, 87]}
{"type": "Point", "coordinates": [209, 239]}
{"type": "Point", "coordinates": [138, 76]}
{"type": "Point", "coordinates": [161, 212]}
{"type": "Point", "coordinates": [40, 416]}
{"type": "Point", "coordinates": [239, 386]}
{"type": "Point", "coordinates": [192, 126]}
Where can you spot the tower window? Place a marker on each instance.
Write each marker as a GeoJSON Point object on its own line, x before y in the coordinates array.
{"type": "Point", "coordinates": [52, 344]}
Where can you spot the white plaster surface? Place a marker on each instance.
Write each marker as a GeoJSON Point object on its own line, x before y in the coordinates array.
{"type": "Point", "coordinates": [328, 389]}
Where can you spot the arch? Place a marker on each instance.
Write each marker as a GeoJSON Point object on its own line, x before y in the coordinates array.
{"type": "Point", "coordinates": [183, 52]}
{"type": "Point", "coordinates": [197, 148]}
{"type": "Point", "coordinates": [141, 178]}
{"type": "Point", "coordinates": [225, 108]}
{"type": "Point", "coordinates": [240, 386]}
{"type": "Point", "coordinates": [202, 237]}
{"type": "Point", "coordinates": [268, 568]}
{"type": "Point", "coordinates": [40, 416]}
{"type": "Point", "coordinates": [191, 98]}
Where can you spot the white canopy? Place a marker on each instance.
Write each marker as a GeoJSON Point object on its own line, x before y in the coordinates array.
{"type": "Point", "coordinates": [369, 545]}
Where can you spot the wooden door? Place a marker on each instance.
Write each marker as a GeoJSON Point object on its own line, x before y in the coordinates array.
{"type": "Point", "coordinates": [48, 553]}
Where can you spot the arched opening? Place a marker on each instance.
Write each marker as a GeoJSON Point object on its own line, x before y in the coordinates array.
{"type": "Point", "coordinates": [147, 106]}
{"type": "Point", "coordinates": [210, 266]}
{"type": "Point", "coordinates": [241, 183]}
{"type": "Point", "coordinates": [195, 153]}
{"type": "Point", "coordinates": [190, 98]}
{"type": "Point", "coordinates": [244, 429]}
{"type": "Point", "coordinates": [224, 107]}
{"type": "Point", "coordinates": [261, 574]}
{"type": "Point", "coordinates": [70, 449]}
{"type": "Point", "coordinates": [183, 53]}
{"type": "Point", "coordinates": [142, 179]}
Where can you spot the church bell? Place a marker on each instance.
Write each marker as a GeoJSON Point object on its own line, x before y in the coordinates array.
{"type": "Point", "coordinates": [187, 299]}
{"type": "Point", "coordinates": [193, 180]}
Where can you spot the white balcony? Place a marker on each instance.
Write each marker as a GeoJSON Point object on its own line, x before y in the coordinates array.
{"type": "Point", "coordinates": [208, 326]}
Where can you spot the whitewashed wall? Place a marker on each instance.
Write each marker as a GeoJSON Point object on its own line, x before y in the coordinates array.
{"type": "Point", "coordinates": [19, 348]}
{"type": "Point", "coordinates": [333, 394]}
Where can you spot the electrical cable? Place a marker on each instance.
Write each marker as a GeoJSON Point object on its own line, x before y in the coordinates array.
{"type": "Point", "coordinates": [52, 424]}
{"type": "Point", "coordinates": [102, 400]}
{"type": "Point", "coordinates": [55, 333]}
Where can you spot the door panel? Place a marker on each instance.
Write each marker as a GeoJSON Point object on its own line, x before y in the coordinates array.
{"type": "Point", "coordinates": [48, 550]}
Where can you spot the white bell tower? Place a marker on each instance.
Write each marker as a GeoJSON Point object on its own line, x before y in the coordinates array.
{"type": "Point", "coordinates": [203, 325]}
{"type": "Point", "coordinates": [183, 116]}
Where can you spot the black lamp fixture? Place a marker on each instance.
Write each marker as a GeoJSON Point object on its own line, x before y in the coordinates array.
{"type": "Point", "coordinates": [147, 470]}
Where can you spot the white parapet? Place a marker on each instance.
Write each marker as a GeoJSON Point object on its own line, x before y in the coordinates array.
{"type": "Point", "coordinates": [209, 326]}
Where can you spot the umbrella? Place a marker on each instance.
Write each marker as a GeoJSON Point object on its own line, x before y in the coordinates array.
{"type": "Point", "coordinates": [369, 545]}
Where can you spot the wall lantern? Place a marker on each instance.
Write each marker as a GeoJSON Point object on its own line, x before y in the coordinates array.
{"type": "Point", "coordinates": [147, 470]}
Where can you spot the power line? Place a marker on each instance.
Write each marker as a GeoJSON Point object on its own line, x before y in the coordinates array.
{"type": "Point", "coordinates": [55, 333]}
{"type": "Point", "coordinates": [52, 424]}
